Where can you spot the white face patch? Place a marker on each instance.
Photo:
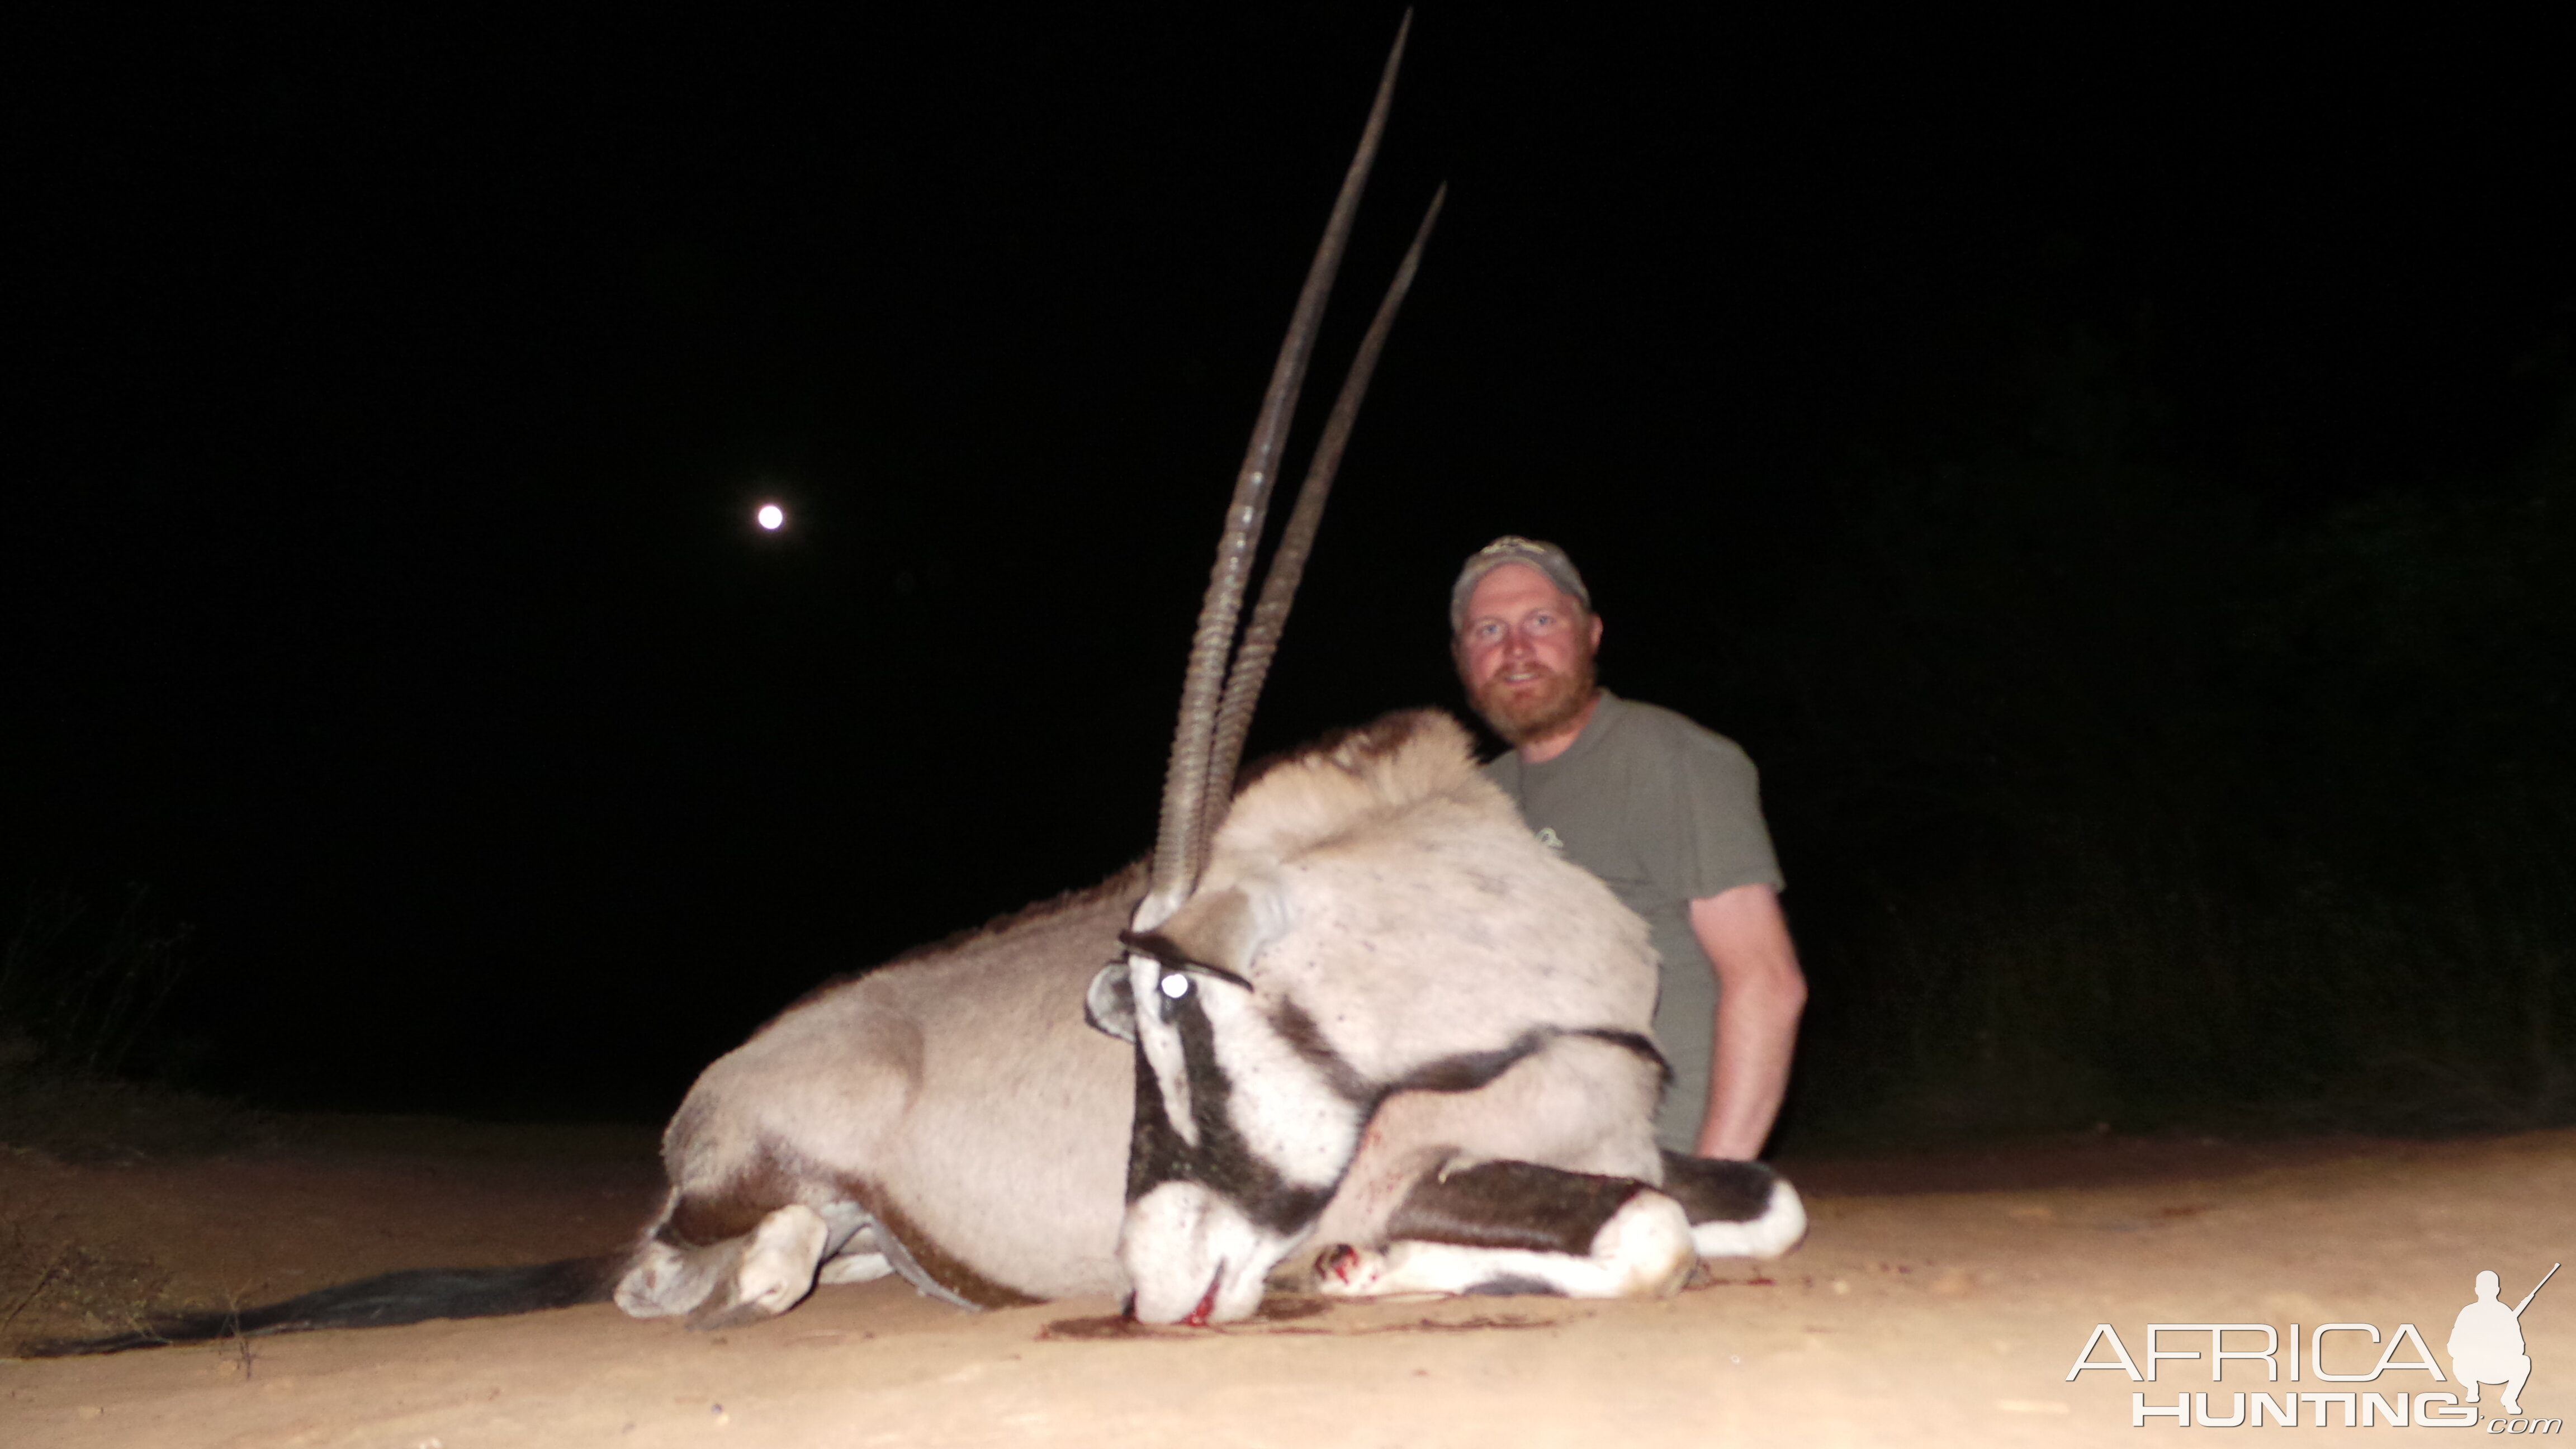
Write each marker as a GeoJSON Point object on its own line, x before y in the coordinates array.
{"type": "Point", "coordinates": [1284, 1107]}
{"type": "Point", "coordinates": [1162, 1044]}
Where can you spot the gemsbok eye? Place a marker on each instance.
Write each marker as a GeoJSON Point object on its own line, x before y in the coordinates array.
{"type": "Point", "coordinates": [1176, 984]}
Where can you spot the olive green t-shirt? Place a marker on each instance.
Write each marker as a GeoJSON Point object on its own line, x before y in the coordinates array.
{"type": "Point", "coordinates": [1667, 813]}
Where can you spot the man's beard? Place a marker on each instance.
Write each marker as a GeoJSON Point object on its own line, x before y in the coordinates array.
{"type": "Point", "coordinates": [1522, 717]}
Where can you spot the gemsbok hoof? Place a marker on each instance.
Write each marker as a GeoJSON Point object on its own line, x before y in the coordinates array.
{"type": "Point", "coordinates": [1343, 1271]}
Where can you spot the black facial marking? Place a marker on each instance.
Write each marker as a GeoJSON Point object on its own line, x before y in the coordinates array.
{"type": "Point", "coordinates": [1155, 1152]}
{"type": "Point", "coordinates": [1306, 1039]}
{"type": "Point", "coordinates": [1222, 1162]}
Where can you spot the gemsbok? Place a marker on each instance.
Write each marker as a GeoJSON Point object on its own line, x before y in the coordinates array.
{"type": "Point", "coordinates": [1352, 1003]}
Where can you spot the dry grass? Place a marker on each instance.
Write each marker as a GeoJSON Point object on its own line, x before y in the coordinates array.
{"type": "Point", "coordinates": [52, 1284]}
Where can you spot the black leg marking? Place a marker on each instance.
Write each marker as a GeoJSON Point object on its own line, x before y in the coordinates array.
{"type": "Point", "coordinates": [1512, 1205]}
{"type": "Point", "coordinates": [1513, 1286]}
{"type": "Point", "coordinates": [1712, 1190]}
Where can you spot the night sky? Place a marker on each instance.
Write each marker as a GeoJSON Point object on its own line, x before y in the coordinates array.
{"type": "Point", "coordinates": [392, 396]}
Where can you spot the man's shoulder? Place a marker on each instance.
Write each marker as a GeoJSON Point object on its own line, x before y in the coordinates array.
{"type": "Point", "coordinates": [1651, 727]}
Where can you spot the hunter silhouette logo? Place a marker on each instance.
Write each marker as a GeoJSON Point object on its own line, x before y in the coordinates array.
{"type": "Point", "coordinates": [2486, 1341]}
{"type": "Point", "coordinates": [2485, 1347]}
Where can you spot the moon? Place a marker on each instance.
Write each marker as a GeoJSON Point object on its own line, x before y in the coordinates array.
{"type": "Point", "coordinates": [770, 517]}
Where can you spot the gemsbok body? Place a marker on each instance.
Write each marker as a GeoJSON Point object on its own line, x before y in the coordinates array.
{"type": "Point", "coordinates": [1351, 1007]}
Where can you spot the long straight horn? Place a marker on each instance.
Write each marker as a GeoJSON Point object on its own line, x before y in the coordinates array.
{"type": "Point", "coordinates": [1178, 846]}
{"type": "Point", "coordinates": [1288, 563]}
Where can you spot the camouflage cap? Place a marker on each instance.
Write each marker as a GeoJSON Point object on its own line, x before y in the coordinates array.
{"type": "Point", "coordinates": [1511, 548]}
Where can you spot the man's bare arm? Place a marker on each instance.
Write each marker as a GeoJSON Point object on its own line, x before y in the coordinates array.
{"type": "Point", "coordinates": [1761, 993]}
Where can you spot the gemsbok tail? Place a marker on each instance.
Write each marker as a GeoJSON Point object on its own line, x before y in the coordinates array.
{"type": "Point", "coordinates": [415, 1295]}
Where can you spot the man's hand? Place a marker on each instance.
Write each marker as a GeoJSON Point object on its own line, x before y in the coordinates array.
{"type": "Point", "coordinates": [1760, 995]}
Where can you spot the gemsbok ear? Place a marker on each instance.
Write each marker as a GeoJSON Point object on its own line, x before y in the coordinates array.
{"type": "Point", "coordinates": [1226, 928]}
{"type": "Point", "coordinates": [1110, 1004]}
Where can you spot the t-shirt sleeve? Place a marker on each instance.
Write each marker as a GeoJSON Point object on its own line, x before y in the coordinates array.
{"type": "Point", "coordinates": [1714, 838]}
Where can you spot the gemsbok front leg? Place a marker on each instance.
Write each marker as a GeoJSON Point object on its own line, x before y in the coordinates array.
{"type": "Point", "coordinates": [1736, 1209]}
{"type": "Point", "coordinates": [1518, 1227]}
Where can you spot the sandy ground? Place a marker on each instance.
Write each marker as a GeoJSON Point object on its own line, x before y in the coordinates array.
{"type": "Point", "coordinates": [1940, 1299]}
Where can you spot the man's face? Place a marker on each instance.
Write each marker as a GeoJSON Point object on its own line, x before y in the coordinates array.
{"type": "Point", "coordinates": [1525, 653]}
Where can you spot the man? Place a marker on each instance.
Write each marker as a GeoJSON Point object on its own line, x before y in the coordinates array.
{"type": "Point", "coordinates": [1664, 811]}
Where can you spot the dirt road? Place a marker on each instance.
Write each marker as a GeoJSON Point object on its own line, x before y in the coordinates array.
{"type": "Point", "coordinates": [1939, 1300]}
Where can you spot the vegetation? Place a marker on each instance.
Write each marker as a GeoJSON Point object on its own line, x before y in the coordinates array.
{"type": "Point", "coordinates": [2109, 794]}
{"type": "Point", "coordinates": [88, 1067]}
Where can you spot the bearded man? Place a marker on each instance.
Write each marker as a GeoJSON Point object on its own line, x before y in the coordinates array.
{"type": "Point", "coordinates": [1666, 812]}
